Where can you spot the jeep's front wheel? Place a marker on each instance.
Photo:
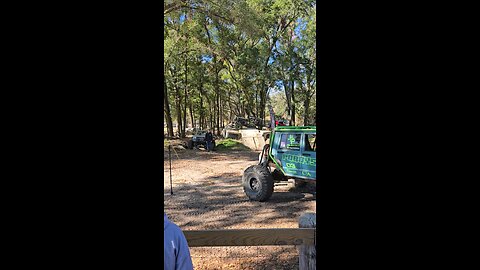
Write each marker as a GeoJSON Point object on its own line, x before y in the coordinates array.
{"type": "Point", "coordinates": [190, 144]}
{"type": "Point", "coordinates": [257, 183]}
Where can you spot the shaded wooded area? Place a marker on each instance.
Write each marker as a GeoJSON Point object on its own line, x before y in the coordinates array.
{"type": "Point", "coordinates": [228, 58]}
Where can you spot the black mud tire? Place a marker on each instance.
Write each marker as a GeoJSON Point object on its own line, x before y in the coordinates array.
{"type": "Point", "coordinates": [213, 146]}
{"type": "Point", "coordinates": [257, 183]}
{"type": "Point", "coordinates": [190, 144]}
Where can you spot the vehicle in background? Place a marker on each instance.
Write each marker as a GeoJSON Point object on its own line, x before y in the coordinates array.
{"type": "Point", "coordinates": [198, 139]}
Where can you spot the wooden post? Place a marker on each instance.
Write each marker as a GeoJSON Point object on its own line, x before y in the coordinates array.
{"type": "Point", "coordinates": [308, 253]}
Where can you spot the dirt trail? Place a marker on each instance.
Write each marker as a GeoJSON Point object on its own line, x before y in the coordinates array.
{"type": "Point", "coordinates": [208, 195]}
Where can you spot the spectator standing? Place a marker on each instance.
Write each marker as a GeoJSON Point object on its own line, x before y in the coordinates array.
{"type": "Point", "coordinates": [175, 247]}
{"type": "Point", "coordinates": [209, 140]}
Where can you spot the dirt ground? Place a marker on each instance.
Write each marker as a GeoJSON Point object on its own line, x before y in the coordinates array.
{"type": "Point", "coordinates": [207, 194]}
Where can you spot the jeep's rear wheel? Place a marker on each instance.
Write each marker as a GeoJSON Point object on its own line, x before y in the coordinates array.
{"type": "Point", "coordinates": [257, 183]}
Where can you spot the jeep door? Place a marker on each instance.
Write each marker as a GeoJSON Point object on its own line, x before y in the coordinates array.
{"type": "Point", "coordinates": [309, 160]}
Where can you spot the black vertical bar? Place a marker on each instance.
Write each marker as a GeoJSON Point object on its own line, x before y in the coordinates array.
{"type": "Point", "coordinates": [170, 158]}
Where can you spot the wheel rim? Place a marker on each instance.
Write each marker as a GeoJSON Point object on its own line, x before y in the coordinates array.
{"type": "Point", "coordinates": [254, 184]}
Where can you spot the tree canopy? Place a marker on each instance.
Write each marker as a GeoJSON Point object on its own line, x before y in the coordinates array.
{"type": "Point", "coordinates": [227, 58]}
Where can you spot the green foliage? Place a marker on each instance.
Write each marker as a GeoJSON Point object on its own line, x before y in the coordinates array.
{"type": "Point", "coordinates": [230, 145]}
{"type": "Point", "coordinates": [223, 58]}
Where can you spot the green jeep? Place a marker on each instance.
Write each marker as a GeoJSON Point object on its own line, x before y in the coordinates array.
{"type": "Point", "coordinates": [291, 154]}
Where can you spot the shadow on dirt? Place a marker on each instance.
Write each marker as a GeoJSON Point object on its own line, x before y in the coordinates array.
{"type": "Point", "coordinates": [196, 154]}
{"type": "Point", "coordinates": [219, 203]}
{"type": "Point", "coordinates": [275, 260]}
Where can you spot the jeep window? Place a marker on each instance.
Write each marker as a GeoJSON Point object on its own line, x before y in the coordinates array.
{"type": "Point", "coordinates": [310, 144]}
{"type": "Point", "coordinates": [290, 141]}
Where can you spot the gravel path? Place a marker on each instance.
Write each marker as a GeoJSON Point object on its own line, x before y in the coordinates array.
{"type": "Point", "coordinates": [208, 195]}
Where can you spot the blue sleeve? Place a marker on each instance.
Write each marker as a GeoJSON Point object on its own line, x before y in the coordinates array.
{"type": "Point", "coordinates": [183, 261]}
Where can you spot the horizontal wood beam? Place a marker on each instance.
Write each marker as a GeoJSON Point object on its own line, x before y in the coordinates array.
{"type": "Point", "coordinates": [250, 237]}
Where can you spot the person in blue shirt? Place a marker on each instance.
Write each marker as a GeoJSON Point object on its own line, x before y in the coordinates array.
{"type": "Point", "coordinates": [175, 247]}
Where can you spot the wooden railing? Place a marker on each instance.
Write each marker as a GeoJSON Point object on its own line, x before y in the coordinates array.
{"type": "Point", "coordinates": [304, 237]}
{"type": "Point", "coordinates": [250, 237]}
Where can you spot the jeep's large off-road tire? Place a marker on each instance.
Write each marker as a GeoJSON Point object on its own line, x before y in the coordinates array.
{"type": "Point", "coordinates": [257, 183]}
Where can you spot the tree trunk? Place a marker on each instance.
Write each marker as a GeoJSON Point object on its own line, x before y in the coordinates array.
{"type": "Point", "coordinates": [168, 115]}
{"type": "Point", "coordinates": [179, 113]}
{"type": "Point", "coordinates": [177, 103]}
{"type": "Point", "coordinates": [239, 104]}
{"type": "Point", "coordinates": [221, 113]}
{"type": "Point", "coordinates": [185, 100]}
{"type": "Point", "coordinates": [217, 107]}
{"type": "Point", "coordinates": [191, 114]}
{"type": "Point", "coordinates": [233, 110]}
{"type": "Point", "coordinates": [201, 111]}
{"type": "Point", "coordinates": [306, 116]}
{"type": "Point", "coordinates": [211, 116]}
{"type": "Point", "coordinates": [256, 101]}
{"type": "Point", "coordinates": [263, 104]}
{"type": "Point", "coordinates": [287, 97]}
